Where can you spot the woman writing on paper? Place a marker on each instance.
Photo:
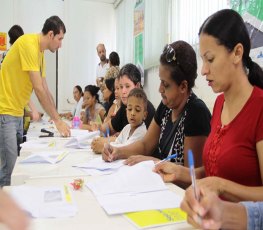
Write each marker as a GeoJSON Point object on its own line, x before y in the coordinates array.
{"type": "Point", "coordinates": [233, 153]}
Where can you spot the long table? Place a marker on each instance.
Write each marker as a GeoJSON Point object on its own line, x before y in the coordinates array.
{"type": "Point", "coordinates": [90, 215]}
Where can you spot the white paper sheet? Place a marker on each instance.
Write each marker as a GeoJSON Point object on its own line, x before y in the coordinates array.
{"type": "Point", "coordinates": [40, 143]}
{"type": "Point", "coordinates": [129, 179]}
{"type": "Point", "coordinates": [78, 132]}
{"type": "Point", "coordinates": [45, 202]}
{"type": "Point", "coordinates": [51, 157]}
{"type": "Point", "coordinates": [99, 164]}
{"type": "Point", "coordinates": [123, 203]}
{"type": "Point", "coordinates": [82, 141]}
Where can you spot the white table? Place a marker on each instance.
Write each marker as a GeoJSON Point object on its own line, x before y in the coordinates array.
{"type": "Point", "coordinates": [91, 215]}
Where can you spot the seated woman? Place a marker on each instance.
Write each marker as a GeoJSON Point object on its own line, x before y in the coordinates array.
{"type": "Point", "coordinates": [233, 152]}
{"type": "Point", "coordinates": [129, 78]}
{"type": "Point", "coordinates": [78, 97]}
{"type": "Point", "coordinates": [94, 111]}
{"type": "Point", "coordinates": [182, 120]}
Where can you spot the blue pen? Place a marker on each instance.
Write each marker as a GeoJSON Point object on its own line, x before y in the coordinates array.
{"type": "Point", "coordinates": [167, 158]}
{"type": "Point", "coordinates": [108, 134]}
{"type": "Point", "coordinates": [192, 171]}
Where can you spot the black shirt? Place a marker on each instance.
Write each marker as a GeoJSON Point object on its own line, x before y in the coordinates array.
{"type": "Point", "coordinates": [120, 119]}
{"type": "Point", "coordinates": [196, 122]}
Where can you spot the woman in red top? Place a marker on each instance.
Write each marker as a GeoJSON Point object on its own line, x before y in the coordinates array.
{"type": "Point", "coordinates": [233, 153]}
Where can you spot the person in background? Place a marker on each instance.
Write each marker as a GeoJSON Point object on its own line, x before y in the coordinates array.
{"type": "Point", "coordinates": [112, 72]}
{"type": "Point", "coordinates": [94, 111]}
{"type": "Point", "coordinates": [233, 152]}
{"type": "Point", "coordinates": [103, 65]}
{"type": "Point", "coordinates": [14, 33]}
{"type": "Point", "coordinates": [78, 97]}
{"type": "Point", "coordinates": [136, 113]}
{"type": "Point", "coordinates": [22, 71]}
{"type": "Point", "coordinates": [210, 212]}
{"type": "Point", "coordinates": [129, 78]}
{"type": "Point", "coordinates": [108, 94]}
{"type": "Point", "coordinates": [181, 121]}
{"type": "Point", "coordinates": [114, 60]}
{"type": "Point", "coordinates": [116, 103]}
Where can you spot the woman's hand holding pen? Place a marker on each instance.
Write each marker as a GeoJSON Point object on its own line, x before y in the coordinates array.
{"type": "Point", "coordinates": [207, 213]}
{"type": "Point", "coordinates": [110, 153]}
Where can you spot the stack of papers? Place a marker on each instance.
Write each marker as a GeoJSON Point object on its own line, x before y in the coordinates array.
{"type": "Point", "coordinates": [133, 188]}
{"type": "Point", "coordinates": [45, 202]}
{"type": "Point", "coordinates": [98, 166]}
{"type": "Point", "coordinates": [51, 157]}
{"type": "Point", "coordinates": [82, 140]}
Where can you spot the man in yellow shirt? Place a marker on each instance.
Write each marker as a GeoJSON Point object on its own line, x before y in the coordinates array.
{"type": "Point", "coordinates": [22, 71]}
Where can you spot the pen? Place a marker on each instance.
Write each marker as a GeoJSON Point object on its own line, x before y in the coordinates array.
{"type": "Point", "coordinates": [108, 134]}
{"type": "Point", "coordinates": [108, 137]}
{"type": "Point", "coordinates": [192, 171]}
{"type": "Point", "coordinates": [167, 158]}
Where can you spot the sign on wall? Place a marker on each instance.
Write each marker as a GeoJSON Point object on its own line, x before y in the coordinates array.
{"type": "Point", "coordinates": [139, 36]}
{"type": "Point", "coordinates": [3, 41]}
{"type": "Point", "coordinates": [252, 14]}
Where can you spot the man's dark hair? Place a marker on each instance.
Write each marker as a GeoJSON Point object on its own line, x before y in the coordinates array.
{"type": "Point", "coordinates": [55, 24]}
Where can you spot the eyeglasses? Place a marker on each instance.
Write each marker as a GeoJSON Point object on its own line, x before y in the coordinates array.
{"type": "Point", "coordinates": [170, 53]}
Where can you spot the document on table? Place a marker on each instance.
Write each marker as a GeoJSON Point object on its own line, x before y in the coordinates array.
{"type": "Point", "coordinates": [134, 202]}
{"type": "Point", "coordinates": [99, 164]}
{"type": "Point", "coordinates": [51, 157]}
{"type": "Point", "coordinates": [82, 141]}
{"type": "Point", "coordinates": [133, 188]}
{"type": "Point", "coordinates": [45, 202]}
{"type": "Point", "coordinates": [129, 179]}
{"type": "Point", "coordinates": [78, 132]}
{"type": "Point", "coordinates": [153, 218]}
{"type": "Point", "coordinates": [40, 143]}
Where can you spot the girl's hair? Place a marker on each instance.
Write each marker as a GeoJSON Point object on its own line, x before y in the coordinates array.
{"type": "Point", "coordinates": [14, 33]}
{"type": "Point", "coordinates": [229, 29]}
{"type": "Point", "coordinates": [79, 89]}
{"type": "Point", "coordinates": [93, 90]}
{"type": "Point", "coordinates": [132, 72]}
{"type": "Point", "coordinates": [114, 58]}
{"type": "Point", "coordinates": [109, 83]}
{"type": "Point", "coordinates": [139, 93]}
{"type": "Point", "coordinates": [180, 57]}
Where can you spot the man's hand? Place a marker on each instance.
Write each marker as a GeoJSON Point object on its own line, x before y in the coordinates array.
{"type": "Point", "coordinates": [63, 128]}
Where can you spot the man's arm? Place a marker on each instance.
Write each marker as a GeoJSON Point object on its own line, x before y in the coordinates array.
{"type": "Point", "coordinates": [39, 85]}
{"type": "Point", "coordinates": [48, 92]}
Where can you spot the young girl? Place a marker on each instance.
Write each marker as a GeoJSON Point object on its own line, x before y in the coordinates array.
{"type": "Point", "coordinates": [136, 113]}
{"type": "Point", "coordinates": [116, 103]}
{"type": "Point", "coordinates": [94, 111]}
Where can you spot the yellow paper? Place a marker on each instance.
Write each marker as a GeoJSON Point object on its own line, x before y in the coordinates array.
{"type": "Point", "coordinates": [150, 218]}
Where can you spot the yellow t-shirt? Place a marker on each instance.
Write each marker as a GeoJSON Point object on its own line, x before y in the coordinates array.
{"type": "Point", "coordinates": [15, 84]}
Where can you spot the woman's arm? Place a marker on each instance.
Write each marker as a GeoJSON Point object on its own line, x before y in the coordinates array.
{"type": "Point", "coordinates": [196, 144]}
